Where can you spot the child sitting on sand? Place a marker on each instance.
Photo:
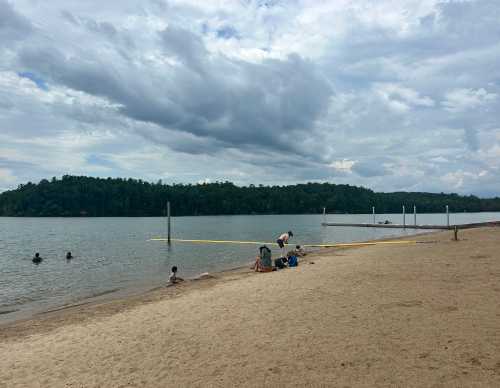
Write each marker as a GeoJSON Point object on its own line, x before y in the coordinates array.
{"type": "Point", "coordinates": [173, 276]}
{"type": "Point", "coordinates": [299, 251]}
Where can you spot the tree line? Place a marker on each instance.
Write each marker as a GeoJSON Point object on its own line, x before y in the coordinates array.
{"type": "Point", "coordinates": [75, 196]}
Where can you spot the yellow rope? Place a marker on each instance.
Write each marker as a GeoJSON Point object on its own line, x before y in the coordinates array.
{"type": "Point", "coordinates": [273, 243]}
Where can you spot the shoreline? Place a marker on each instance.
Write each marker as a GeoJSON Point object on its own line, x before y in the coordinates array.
{"type": "Point", "coordinates": [118, 300]}
{"type": "Point", "coordinates": [105, 296]}
{"type": "Point", "coordinates": [108, 304]}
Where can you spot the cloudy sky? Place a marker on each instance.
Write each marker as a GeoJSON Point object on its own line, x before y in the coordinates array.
{"type": "Point", "coordinates": [391, 95]}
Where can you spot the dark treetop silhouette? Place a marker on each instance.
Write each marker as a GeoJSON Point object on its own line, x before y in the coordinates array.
{"type": "Point", "coordinates": [87, 196]}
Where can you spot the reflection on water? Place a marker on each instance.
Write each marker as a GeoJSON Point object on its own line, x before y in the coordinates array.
{"type": "Point", "coordinates": [114, 253]}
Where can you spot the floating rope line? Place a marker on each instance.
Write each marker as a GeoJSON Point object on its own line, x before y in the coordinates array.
{"type": "Point", "coordinates": [331, 245]}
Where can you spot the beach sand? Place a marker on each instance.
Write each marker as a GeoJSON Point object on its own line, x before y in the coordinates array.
{"type": "Point", "coordinates": [422, 315]}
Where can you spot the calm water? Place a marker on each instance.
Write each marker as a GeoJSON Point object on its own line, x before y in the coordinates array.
{"type": "Point", "coordinates": [113, 254]}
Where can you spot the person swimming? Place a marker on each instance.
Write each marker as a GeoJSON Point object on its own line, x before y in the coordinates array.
{"type": "Point", "coordinates": [37, 259]}
{"type": "Point", "coordinates": [69, 256]}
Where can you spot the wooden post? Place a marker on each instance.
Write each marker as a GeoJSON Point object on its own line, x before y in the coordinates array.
{"type": "Point", "coordinates": [447, 216]}
{"type": "Point", "coordinates": [373, 211]}
{"type": "Point", "coordinates": [404, 217]}
{"type": "Point", "coordinates": [414, 215]}
{"type": "Point", "coordinates": [168, 222]}
{"type": "Point", "coordinates": [456, 232]}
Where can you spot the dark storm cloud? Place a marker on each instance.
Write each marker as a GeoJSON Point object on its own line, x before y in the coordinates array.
{"type": "Point", "coordinates": [13, 26]}
{"type": "Point", "coordinates": [186, 46]}
{"type": "Point", "coordinates": [229, 101]}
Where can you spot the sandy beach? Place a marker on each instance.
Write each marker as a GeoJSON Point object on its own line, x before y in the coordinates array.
{"type": "Point", "coordinates": [421, 315]}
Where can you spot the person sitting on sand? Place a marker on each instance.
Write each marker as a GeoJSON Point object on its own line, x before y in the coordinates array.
{"type": "Point", "coordinates": [37, 259]}
{"type": "Point", "coordinates": [263, 262]}
{"type": "Point", "coordinates": [173, 276]}
{"type": "Point", "coordinates": [299, 251]}
{"type": "Point", "coordinates": [69, 256]}
{"type": "Point", "coordinates": [282, 240]}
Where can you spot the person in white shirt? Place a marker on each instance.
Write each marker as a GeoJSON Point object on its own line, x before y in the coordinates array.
{"type": "Point", "coordinates": [282, 240]}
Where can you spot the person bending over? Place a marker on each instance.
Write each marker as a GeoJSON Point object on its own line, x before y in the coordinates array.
{"type": "Point", "coordinates": [282, 240]}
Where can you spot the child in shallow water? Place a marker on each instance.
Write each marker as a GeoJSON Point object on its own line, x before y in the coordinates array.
{"type": "Point", "coordinates": [173, 276]}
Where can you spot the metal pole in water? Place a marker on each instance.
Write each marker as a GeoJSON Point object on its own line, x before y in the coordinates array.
{"type": "Point", "coordinates": [447, 216]}
{"type": "Point", "coordinates": [404, 217]}
{"type": "Point", "coordinates": [373, 211]}
{"type": "Point", "coordinates": [415, 215]}
{"type": "Point", "coordinates": [168, 222]}
{"type": "Point", "coordinates": [324, 215]}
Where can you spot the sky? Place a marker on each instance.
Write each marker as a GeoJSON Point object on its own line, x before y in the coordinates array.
{"type": "Point", "coordinates": [390, 95]}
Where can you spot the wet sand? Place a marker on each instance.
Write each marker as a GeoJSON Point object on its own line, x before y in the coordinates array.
{"type": "Point", "coordinates": [405, 315]}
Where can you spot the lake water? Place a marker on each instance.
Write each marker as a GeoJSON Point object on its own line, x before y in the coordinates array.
{"type": "Point", "coordinates": [114, 254]}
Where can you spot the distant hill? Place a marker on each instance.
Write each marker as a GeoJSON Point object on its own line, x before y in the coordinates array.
{"type": "Point", "coordinates": [87, 196]}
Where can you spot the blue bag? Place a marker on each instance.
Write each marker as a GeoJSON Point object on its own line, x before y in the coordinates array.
{"type": "Point", "coordinates": [292, 261]}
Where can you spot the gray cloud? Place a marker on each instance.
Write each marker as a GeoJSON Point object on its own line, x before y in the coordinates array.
{"type": "Point", "coordinates": [13, 26]}
{"type": "Point", "coordinates": [372, 168]}
{"type": "Point", "coordinates": [230, 101]}
{"type": "Point", "coordinates": [470, 136]}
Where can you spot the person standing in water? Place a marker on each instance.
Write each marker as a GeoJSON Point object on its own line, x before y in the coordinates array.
{"type": "Point", "coordinates": [282, 240]}
{"type": "Point", "coordinates": [69, 256]}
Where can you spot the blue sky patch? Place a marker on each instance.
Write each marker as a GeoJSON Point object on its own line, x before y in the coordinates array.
{"type": "Point", "coordinates": [39, 81]}
{"type": "Point", "coordinates": [98, 160]}
{"type": "Point", "coordinates": [227, 32]}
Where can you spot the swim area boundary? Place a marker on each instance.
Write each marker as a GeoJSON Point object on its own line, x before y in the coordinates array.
{"type": "Point", "coordinates": [328, 245]}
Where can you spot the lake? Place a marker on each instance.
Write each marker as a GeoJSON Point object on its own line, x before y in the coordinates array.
{"type": "Point", "coordinates": [114, 254]}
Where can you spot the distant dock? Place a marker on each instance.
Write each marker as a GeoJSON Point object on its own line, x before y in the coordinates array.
{"type": "Point", "coordinates": [413, 226]}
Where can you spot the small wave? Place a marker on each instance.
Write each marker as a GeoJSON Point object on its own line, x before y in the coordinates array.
{"type": "Point", "coordinates": [3, 312]}
{"type": "Point", "coordinates": [17, 301]}
{"type": "Point", "coordinates": [103, 293]}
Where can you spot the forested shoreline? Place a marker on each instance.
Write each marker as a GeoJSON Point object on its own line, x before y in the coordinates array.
{"type": "Point", "coordinates": [77, 196]}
